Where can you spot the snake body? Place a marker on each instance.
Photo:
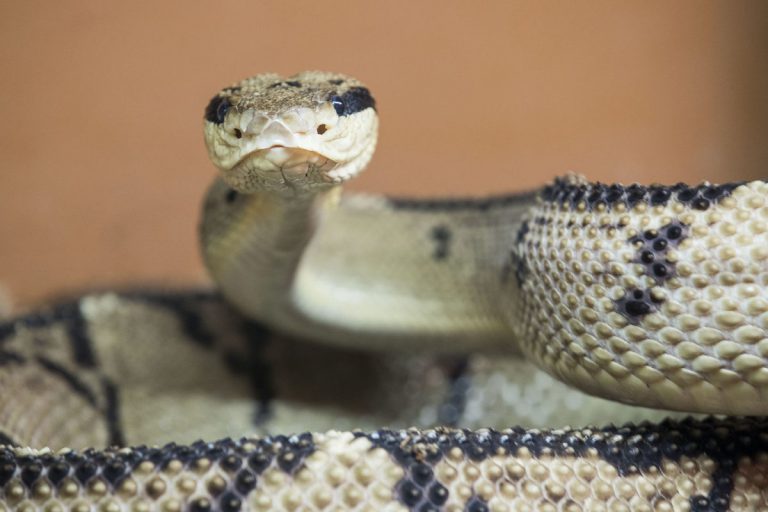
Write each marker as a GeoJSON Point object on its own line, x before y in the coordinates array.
{"type": "Point", "coordinates": [419, 311]}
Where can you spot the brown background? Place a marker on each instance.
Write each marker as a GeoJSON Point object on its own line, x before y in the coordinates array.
{"type": "Point", "coordinates": [101, 103]}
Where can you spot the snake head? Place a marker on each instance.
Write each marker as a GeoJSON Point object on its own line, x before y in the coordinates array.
{"type": "Point", "coordinates": [307, 131]}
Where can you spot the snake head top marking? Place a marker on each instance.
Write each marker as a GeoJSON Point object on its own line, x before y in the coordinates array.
{"type": "Point", "coordinates": [307, 131]}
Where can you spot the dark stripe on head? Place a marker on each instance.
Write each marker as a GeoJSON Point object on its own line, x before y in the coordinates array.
{"type": "Point", "coordinates": [356, 99]}
{"type": "Point", "coordinates": [217, 109]}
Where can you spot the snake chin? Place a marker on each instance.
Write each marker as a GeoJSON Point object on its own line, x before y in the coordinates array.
{"type": "Point", "coordinates": [280, 168]}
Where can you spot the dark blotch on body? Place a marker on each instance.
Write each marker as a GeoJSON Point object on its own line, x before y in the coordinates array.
{"type": "Point", "coordinates": [653, 245]}
{"type": "Point", "coordinates": [635, 304]}
{"type": "Point", "coordinates": [442, 236]}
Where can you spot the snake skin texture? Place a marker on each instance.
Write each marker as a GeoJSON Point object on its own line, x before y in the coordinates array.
{"type": "Point", "coordinates": [690, 465]}
{"type": "Point", "coordinates": [151, 368]}
{"type": "Point", "coordinates": [650, 295]}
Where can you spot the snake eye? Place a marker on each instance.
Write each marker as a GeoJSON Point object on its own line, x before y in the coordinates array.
{"type": "Point", "coordinates": [217, 109]}
{"type": "Point", "coordinates": [338, 105]}
{"type": "Point", "coordinates": [231, 195]}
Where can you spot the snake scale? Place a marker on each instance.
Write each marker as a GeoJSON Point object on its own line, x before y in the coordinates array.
{"type": "Point", "coordinates": [334, 314]}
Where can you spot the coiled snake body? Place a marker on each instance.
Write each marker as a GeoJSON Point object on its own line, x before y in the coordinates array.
{"type": "Point", "coordinates": [648, 295]}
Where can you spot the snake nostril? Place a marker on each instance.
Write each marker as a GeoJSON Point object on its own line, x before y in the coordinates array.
{"type": "Point", "coordinates": [238, 133]}
{"type": "Point", "coordinates": [321, 129]}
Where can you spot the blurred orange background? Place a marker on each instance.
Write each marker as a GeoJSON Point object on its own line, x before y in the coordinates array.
{"type": "Point", "coordinates": [103, 165]}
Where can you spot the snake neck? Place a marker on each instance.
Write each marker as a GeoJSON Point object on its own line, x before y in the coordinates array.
{"type": "Point", "coordinates": [271, 232]}
{"type": "Point", "coordinates": [400, 273]}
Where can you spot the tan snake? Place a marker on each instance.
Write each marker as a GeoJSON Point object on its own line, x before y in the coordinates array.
{"type": "Point", "coordinates": [650, 295]}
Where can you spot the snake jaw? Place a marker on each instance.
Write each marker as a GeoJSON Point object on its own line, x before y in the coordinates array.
{"type": "Point", "coordinates": [278, 168]}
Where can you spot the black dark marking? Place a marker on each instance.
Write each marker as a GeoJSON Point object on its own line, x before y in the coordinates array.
{"type": "Point", "coordinates": [516, 261]}
{"type": "Point", "coordinates": [255, 366]}
{"type": "Point", "coordinates": [230, 502]}
{"type": "Point", "coordinates": [260, 461]}
{"type": "Point", "coordinates": [67, 314]}
{"type": "Point", "coordinates": [245, 482]}
{"type": "Point", "coordinates": [231, 463]}
{"type": "Point", "coordinates": [564, 192]}
{"type": "Point", "coordinates": [260, 372]}
{"type": "Point", "coordinates": [635, 304]}
{"type": "Point", "coordinates": [231, 195]}
{"type": "Point", "coordinates": [114, 470]}
{"type": "Point", "coordinates": [652, 247]}
{"type": "Point", "coordinates": [410, 493]}
{"type": "Point", "coordinates": [112, 414]}
{"type": "Point", "coordinates": [86, 470]}
{"type": "Point", "coordinates": [450, 411]}
{"type": "Point", "coordinates": [30, 472]}
{"type": "Point", "coordinates": [338, 105]}
{"type": "Point", "coordinates": [629, 448]}
{"type": "Point", "coordinates": [7, 467]}
{"type": "Point", "coordinates": [9, 357]}
{"type": "Point", "coordinates": [6, 440]}
{"type": "Point", "coordinates": [336, 81]}
{"type": "Point", "coordinates": [476, 504]}
{"type": "Point", "coordinates": [70, 379]}
{"type": "Point", "coordinates": [186, 307]}
{"type": "Point", "coordinates": [296, 449]}
{"type": "Point", "coordinates": [217, 109]}
{"type": "Point", "coordinates": [438, 494]}
{"type": "Point", "coordinates": [442, 236]}
{"type": "Point", "coordinates": [77, 331]}
{"type": "Point", "coordinates": [58, 471]}
{"type": "Point", "coordinates": [200, 505]}
{"type": "Point", "coordinates": [354, 100]}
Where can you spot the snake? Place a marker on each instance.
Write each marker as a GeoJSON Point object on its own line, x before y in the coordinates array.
{"type": "Point", "coordinates": [362, 352]}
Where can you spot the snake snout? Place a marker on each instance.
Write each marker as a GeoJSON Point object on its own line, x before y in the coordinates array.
{"type": "Point", "coordinates": [274, 133]}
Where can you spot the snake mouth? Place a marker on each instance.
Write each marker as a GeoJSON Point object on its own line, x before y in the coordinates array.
{"type": "Point", "coordinates": [279, 166]}
{"type": "Point", "coordinates": [284, 158]}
